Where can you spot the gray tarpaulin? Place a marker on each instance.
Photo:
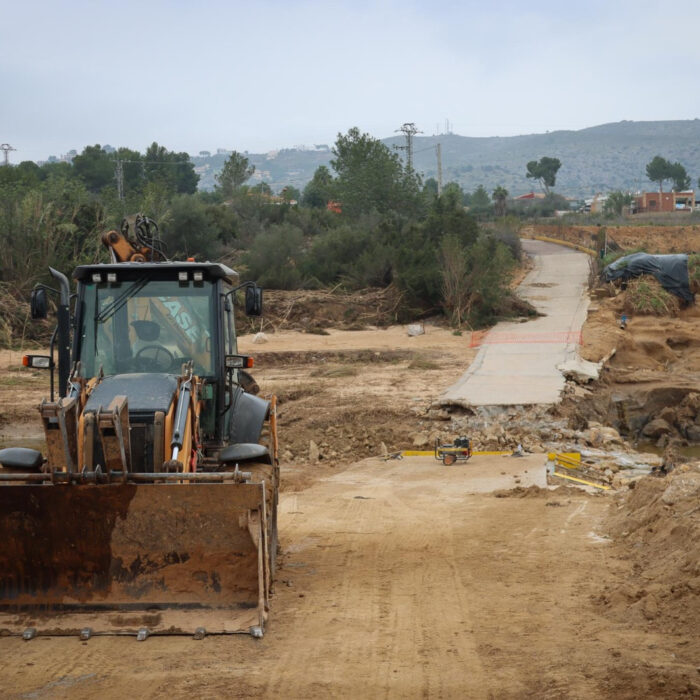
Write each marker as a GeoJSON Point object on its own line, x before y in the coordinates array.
{"type": "Point", "coordinates": [670, 270]}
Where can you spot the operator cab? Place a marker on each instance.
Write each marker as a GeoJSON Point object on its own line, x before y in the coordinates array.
{"type": "Point", "coordinates": [152, 318]}
{"type": "Point", "coordinates": [143, 322]}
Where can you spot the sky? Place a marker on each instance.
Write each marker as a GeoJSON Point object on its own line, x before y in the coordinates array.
{"type": "Point", "coordinates": [266, 74]}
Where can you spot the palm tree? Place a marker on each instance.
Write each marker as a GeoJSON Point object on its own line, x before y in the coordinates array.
{"type": "Point", "coordinates": [499, 197]}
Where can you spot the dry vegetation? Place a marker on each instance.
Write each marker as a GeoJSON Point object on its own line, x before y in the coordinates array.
{"type": "Point", "coordinates": [644, 295]}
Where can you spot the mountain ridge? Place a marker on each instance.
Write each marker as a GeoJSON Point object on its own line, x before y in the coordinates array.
{"type": "Point", "coordinates": [599, 158]}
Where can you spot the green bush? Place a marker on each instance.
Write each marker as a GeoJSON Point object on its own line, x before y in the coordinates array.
{"type": "Point", "coordinates": [275, 257]}
{"type": "Point", "coordinates": [190, 229]}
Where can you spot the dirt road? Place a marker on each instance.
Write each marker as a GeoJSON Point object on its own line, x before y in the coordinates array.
{"type": "Point", "coordinates": [402, 579]}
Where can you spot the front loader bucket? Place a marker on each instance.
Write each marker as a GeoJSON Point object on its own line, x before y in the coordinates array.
{"type": "Point", "coordinates": [133, 559]}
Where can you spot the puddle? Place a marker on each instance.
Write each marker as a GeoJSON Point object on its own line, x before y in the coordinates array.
{"type": "Point", "coordinates": [691, 451]}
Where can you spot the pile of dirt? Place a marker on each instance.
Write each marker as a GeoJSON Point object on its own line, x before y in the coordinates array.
{"type": "Point", "coordinates": [648, 385]}
{"type": "Point", "coordinates": [533, 491]}
{"type": "Point", "coordinates": [656, 525]}
{"type": "Point", "coordinates": [314, 311]}
{"type": "Point", "coordinates": [339, 437]}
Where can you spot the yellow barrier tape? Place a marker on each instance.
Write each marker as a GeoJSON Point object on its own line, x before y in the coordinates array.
{"type": "Point", "coordinates": [571, 456]}
{"type": "Point", "coordinates": [582, 481]}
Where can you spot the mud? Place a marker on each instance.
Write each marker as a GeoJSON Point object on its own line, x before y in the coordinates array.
{"type": "Point", "coordinates": [402, 579]}
{"type": "Point", "coordinates": [406, 578]}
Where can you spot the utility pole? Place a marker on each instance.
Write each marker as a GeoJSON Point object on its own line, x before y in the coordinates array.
{"type": "Point", "coordinates": [119, 175]}
{"type": "Point", "coordinates": [409, 129]}
{"type": "Point", "coordinates": [438, 148]}
{"type": "Point", "coordinates": [6, 148]}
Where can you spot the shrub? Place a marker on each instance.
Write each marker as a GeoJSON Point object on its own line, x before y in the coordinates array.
{"type": "Point", "coordinates": [509, 237]}
{"type": "Point", "coordinates": [694, 272]}
{"type": "Point", "coordinates": [275, 257]}
{"type": "Point", "coordinates": [475, 279]}
{"type": "Point", "coordinates": [645, 295]}
{"type": "Point", "coordinates": [189, 229]}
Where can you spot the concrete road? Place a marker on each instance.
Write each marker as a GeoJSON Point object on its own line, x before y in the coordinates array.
{"type": "Point", "coordinates": [517, 363]}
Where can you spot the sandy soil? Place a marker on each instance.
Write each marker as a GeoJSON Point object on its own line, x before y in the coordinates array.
{"type": "Point", "coordinates": [21, 391]}
{"type": "Point", "coordinates": [353, 391]}
{"type": "Point", "coordinates": [404, 579]}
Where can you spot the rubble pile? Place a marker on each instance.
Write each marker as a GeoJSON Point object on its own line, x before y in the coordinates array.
{"type": "Point", "coordinates": [658, 524]}
{"type": "Point", "coordinates": [540, 429]}
{"type": "Point", "coordinates": [681, 422]}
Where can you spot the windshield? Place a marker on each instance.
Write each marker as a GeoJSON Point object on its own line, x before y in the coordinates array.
{"type": "Point", "coordinates": [142, 326]}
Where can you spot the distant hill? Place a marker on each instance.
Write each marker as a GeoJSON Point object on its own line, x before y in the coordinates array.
{"type": "Point", "coordinates": [597, 159]}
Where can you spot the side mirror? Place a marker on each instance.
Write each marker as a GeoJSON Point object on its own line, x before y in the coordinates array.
{"type": "Point", "coordinates": [253, 301]}
{"type": "Point", "coordinates": [39, 307]}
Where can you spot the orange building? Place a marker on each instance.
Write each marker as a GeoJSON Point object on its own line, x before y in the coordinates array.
{"type": "Point", "coordinates": [649, 202]}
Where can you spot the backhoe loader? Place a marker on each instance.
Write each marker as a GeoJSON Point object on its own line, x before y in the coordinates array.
{"type": "Point", "coordinates": [154, 508]}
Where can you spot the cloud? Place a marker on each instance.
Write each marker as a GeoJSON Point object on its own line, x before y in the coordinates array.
{"type": "Point", "coordinates": [255, 76]}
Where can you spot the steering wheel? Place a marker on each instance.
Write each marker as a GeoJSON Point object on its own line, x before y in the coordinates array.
{"type": "Point", "coordinates": [154, 358]}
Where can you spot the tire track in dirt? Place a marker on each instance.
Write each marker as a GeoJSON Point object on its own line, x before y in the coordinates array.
{"type": "Point", "coordinates": [402, 584]}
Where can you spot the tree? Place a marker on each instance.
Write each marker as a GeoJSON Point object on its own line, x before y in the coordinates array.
{"type": "Point", "coordinates": [132, 170]}
{"type": "Point", "coordinates": [290, 193]}
{"type": "Point", "coordinates": [189, 231]}
{"type": "Point", "coordinates": [480, 201]}
{"type": "Point", "coordinates": [447, 217]}
{"type": "Point", "coordinates": [545, 171]}
{"type": "Point", "coordinates": [453, 189]}
{"type": "Point", "coordinates": [658, 170]}
{"type": "Point", "coordinates": [680, 177]}
{"type": "Point", "coordinates": [371, 177]}
{"type": "Point", "coordinates": [174, 170]}
{"type": "Point", "coordinates": [616, 202]}
{"type": "Point", "coordinates": [499, 196]}
{"type": "Point", "coordinates": [95, 167]}
{"type": "Point", "coordinates": [262, 188]}
{"type": "Point", "coordinates": [275, 257]}
{"type": "Point", "coordinates": [430, 187]}
{"type": "Point", "coordinates": [318, 190]}
{"type": "Point", "coordinates": [236, 171]}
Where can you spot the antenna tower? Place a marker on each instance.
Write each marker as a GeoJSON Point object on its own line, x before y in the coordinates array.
{"type": "Point", "coordinates": [6, 148]}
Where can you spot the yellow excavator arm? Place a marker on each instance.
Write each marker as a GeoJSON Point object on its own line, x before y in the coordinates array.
{"type": "Point", "coordinates": [146, 247]}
